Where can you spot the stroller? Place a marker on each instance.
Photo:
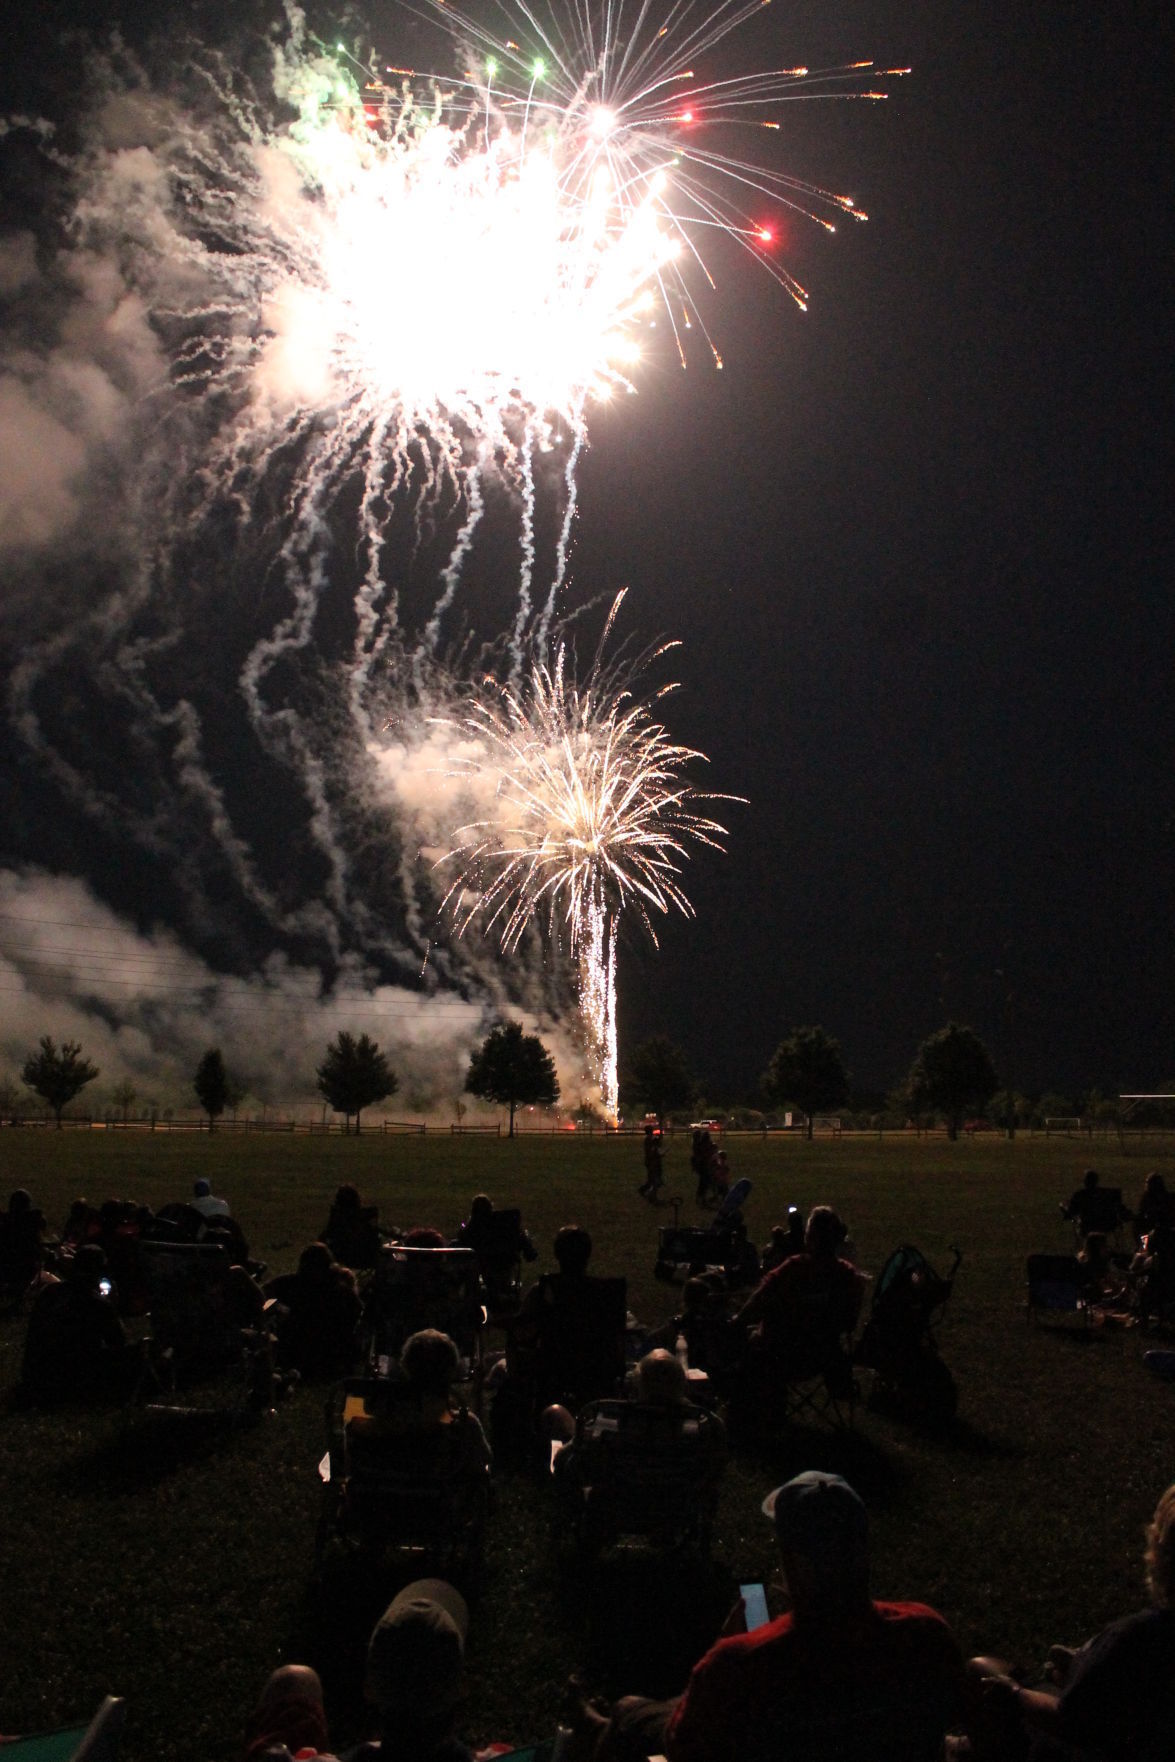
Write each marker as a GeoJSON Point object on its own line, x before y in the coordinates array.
{"type": "Point", "coordinates": [898, 1344]}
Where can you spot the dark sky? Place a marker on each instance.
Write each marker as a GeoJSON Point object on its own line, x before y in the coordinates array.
{"type": "Point", "coordinates": [917, 545]}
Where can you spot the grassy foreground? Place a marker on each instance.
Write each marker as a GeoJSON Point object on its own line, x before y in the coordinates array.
{"type": "Point", "coordinates": [176, 1571]}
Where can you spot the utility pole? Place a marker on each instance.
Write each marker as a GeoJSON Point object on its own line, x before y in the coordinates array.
{"type": "Point", "coordinates": [1001, 975]}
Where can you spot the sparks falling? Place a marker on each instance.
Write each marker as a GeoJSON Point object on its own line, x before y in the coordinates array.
{"type": "Point", "coordinates": [407, 281]}
{"type": "Point", "coordinates": [593, 815]}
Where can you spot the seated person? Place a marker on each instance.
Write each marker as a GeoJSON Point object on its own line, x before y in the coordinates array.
{"type": "Point", "coordinates": [1156, 1208]}
{"type": "Point", "coordinates": [422, 1236]}
{"type": "Point", "coordinates": [702, 1321]}
{"type": "Point", "coordinates": [1117, 1693]}
{"type": "Point", "coordinates": [802, 1311]}
{"type": "Point", "coordinates": [1152, 1273]}
{"type": "Point", "coordinates": [317, 1335]}
{"type": "Point", "coordinates": [420, 1403]}
{"type": "Point", "coordinates": [75, 1344]}
{"type": "Point", "coordinates": [206, 1202]}
{"type": "Point", "coordinates": [352, 1230]}
{"type": "Point", "coordinates": [838, 1677]}
{"type": "Point", "coordinates": [23, 1252]}
{"type": "Point", "coordinates": [500, 1243]}
{"type": "Point", "coordinates": [477, 1230]}
{"type": "Point", "coordinates": [566, 1344]}
{"type": "Point", "coordinates": [80, 1226]}
{"type": "Point", "coordinates": [1093, 1207]}
{"type": "Point", "coordinates": [414, 1665]}
{"type": "Point", "coordinates": [556, 1339]}
{"type": "Point", "coordinates": [785, 1239]}
{"type": "Point", "coordinates": [599, 1464]}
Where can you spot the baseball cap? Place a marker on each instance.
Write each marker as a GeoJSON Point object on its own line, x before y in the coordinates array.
{"type": "Point", "coordinates": [819, 1516]}
{"type": "Point", "coordinates": [418, 1646]}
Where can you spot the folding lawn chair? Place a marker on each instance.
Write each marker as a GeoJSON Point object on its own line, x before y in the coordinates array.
{"type": "Point", "coordinates": [96, 1742]}
{"type": "Point", "coordinates": [398, 1490]}
{"type": "Point", "coordinates": [414, 1288]}
{"type": "Point", "coordinates": [684, 1248]}
{"type": "Point", "coordinates": [812, 1387]}
{"type": "Point", "coordinates": [580, 1353]}
{"type": "Point", "coordinates": [641, 1472]}
{"type": "Point", "coordinates": [195, 1334]}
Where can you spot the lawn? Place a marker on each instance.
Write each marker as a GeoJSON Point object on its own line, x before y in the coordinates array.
{"type": "Point", "coordinates": [177, 1571]}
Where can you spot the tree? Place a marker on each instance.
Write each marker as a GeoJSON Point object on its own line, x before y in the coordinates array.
{"type": "Point", "coordinates": [513, 1069]}
{"type": "Point", "coordinates": [659, 1077]}
{"type": "Point", "coordinates": [354, 1075]}
{"type": "Point", "coordinates": [58, 1076]}
{"type": "Point", "coordinates": [953, 1074]}
{"type": "Point", "coordinates": [807, 1069]}
{"type": "Point", "coordinates": [123, 1096]}
{"type": "Point", "coordinates": [215, 1089]}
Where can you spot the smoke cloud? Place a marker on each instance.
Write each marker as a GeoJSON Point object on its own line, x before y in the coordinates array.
{"type": "Point", "coordinates": [145, 1008]}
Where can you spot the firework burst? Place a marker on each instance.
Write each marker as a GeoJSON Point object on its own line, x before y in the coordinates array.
{"type": "Point", "coordinates": [593, 815]}
{"type": "Point", "coordinates": [406, 281]}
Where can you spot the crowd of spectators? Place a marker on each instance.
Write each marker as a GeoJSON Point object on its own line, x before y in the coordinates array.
{"type": "Point", "coordinates": [1134, 1282]}
{"type": "Point", "coordinates": [838, 1674]}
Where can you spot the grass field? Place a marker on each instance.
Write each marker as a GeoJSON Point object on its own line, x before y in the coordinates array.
{"type": "Point", "coordinates": [178, 1573]}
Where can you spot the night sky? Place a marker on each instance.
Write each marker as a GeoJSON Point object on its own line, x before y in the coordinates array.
{"type": "Point", "coordinates": [917, 545]}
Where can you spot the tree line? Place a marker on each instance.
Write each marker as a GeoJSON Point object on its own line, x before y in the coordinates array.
{"type": "Point", "coordinates": [952, 1077]}
{"type": "Point", "coordinates": [511, 1068]}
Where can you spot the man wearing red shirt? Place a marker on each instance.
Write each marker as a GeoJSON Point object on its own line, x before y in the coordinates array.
{"type": "Point", "coordinates": [805, 1307]}
{"type": "Point", "coordinates": [838, 1676]}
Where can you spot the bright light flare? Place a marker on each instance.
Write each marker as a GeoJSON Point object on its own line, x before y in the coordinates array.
{"type": "Point", "coordinates": [601, 122]}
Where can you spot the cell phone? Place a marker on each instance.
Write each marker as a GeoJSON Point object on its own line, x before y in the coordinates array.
{"type": "Point", "coordinates": [754, 1605]}
{"type": "Point", "coordinates": [105, 1287]}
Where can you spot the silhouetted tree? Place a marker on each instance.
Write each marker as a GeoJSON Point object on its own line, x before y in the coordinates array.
{"type": "Point", "coordinates": [513, 1069]}
{"type": "Point", "coordinates": [57, 1076]}
{"type": "Point", "coordinates": [354, 1075]}
{"type": "Point", "coordinates": [123, 1096]}
{"type": "Point", "coordinates": [807, 1069]}
{"type": "Point", "coordinates": [659, 1077]}
{"type": "Point", "coordinates": [214, 1087]}
{"type": "Point", "coordinates": [953, 1074]}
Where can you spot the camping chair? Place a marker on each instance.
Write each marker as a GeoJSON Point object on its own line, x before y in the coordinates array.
{"type": "Point", "coordinates": [644, 1472]}
{"type": "Point", "coordinates": [580, 1351]}
{"type": "Point", "coordinates": [397, 1489]}
{"type": "Point", "coordinates": [96, 1742]}
{"type": "Point", "coordinates": [414, 1288]}
{"type": "Point", "coordinates": [1056, 1287]}
{"type": "Point", "coordinates": [194, 1333]}
{"type": "Point", "coordinates": [811, 1385]}
{"type": "Point", "coordinates": [685, 1249]}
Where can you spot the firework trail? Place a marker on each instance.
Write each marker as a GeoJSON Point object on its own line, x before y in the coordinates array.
{"type": "Point", "coordinates": [592, 815]}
